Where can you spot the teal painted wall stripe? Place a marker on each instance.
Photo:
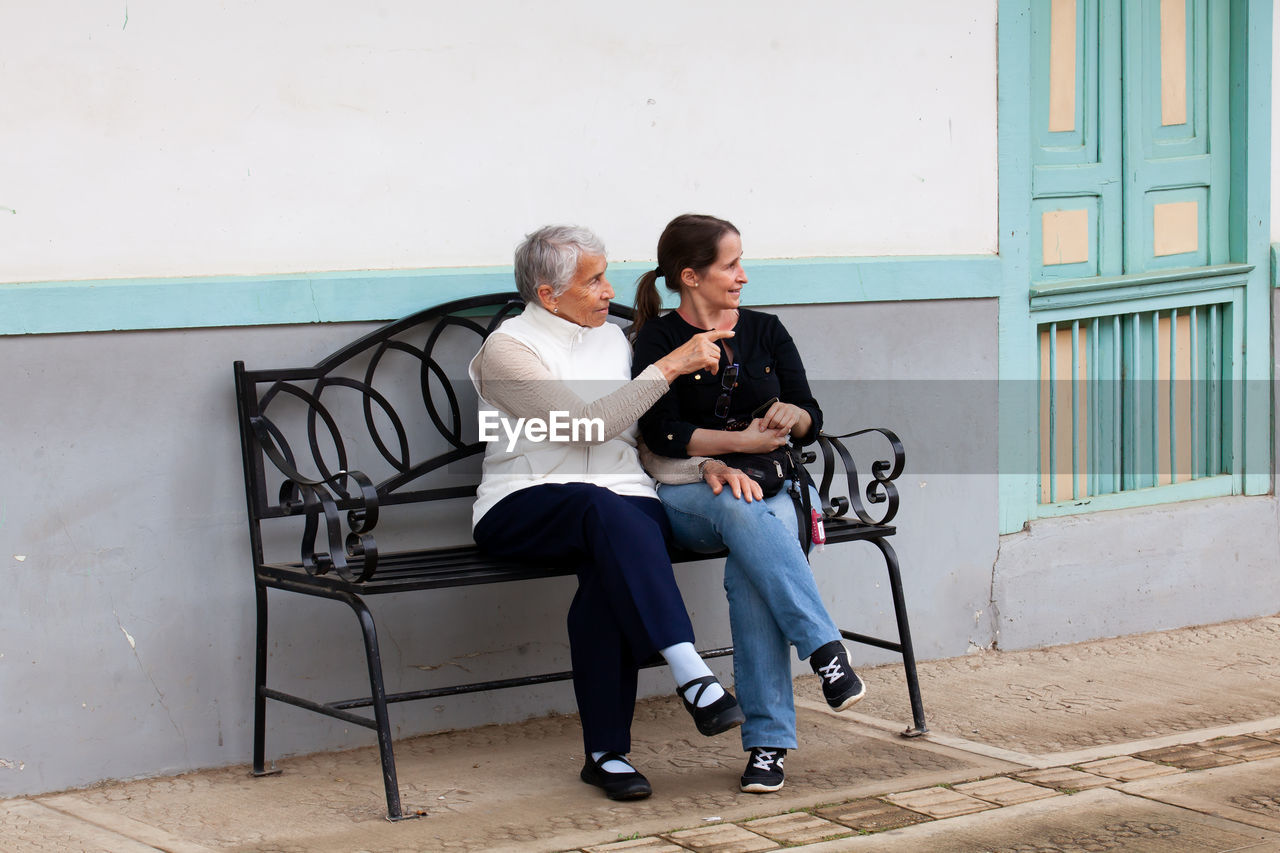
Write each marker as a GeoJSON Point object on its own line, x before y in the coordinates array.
{"type": "Point", "coordinates": [178, 303]}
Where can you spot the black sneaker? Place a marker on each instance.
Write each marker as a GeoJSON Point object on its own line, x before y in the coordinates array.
{"type": "Point", "coordinates": [840, 684]}
{"type": "Point", "coordinates": [617, 786]}
{"type": "Point", "coordinates": [764, 770]}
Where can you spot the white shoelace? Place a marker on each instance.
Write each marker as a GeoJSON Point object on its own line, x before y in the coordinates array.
{"type": "Point", "coordinates": [763, 758]}
{"type": "Point", "coordinates": [832, 671]}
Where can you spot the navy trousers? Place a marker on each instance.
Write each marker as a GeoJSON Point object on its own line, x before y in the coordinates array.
{"type": "Point", "coordinates": [627, 606]}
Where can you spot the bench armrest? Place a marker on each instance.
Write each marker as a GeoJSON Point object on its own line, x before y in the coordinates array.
{"type": "Point", "coordinates": [300, 495]}
{"type": "Point", "coordinates": [879, 490]}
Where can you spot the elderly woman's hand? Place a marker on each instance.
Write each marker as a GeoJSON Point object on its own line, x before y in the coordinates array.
{"type": "Point", "coordinates": [718, 475]}
{"type": "Point", "coordinates": [698, 353]}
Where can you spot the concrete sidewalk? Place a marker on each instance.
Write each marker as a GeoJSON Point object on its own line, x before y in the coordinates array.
{"type": "Point", "coordinates": [1158, 742]}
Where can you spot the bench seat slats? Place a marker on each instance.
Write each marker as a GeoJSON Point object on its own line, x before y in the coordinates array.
{"type": "Point", "coordinates": [467, 566]}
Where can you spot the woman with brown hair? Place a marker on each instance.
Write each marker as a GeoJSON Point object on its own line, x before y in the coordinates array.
{"type": "Point", "coordinates": [756, 402]}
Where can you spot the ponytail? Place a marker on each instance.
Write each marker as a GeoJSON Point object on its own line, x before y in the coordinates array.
{"type": "Point", "coordinates": [648, 302]}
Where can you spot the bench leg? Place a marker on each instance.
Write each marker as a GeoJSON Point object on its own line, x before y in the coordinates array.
{"type": "Point", "coordinates": [259, 689]}
{"type": "Point", "coordinates": [378, 697]}
{"type": "Point", "coordinates": [904, 639]}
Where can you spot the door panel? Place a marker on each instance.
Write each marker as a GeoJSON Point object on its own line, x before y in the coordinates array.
{"type": "Point", "coordinates": [1076, 163]}
{"type": "Point", "coordinates": [1177, 138]}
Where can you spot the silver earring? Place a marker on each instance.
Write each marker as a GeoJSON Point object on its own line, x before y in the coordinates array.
{"type": "Point", "coordinates": [555, 309]}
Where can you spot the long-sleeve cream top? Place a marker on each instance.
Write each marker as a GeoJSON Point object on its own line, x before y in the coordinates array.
{"type": "Point", "coordinates": [537, 366]}
{"type": "Point", "coordinates": [513, 378]}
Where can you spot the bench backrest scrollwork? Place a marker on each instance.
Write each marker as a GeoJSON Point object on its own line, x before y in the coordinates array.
{"type": "Point", "coordinates": [390, 419]}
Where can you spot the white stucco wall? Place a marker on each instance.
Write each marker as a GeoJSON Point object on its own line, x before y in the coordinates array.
{"type": "Point", "coordinates": [156, 139]}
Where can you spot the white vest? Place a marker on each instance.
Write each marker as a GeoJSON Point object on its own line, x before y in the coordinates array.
{"type": "Point", "coordinates": [593, 362]}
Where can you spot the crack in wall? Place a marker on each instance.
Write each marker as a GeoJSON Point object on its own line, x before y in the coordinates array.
{"type": "Point", "coordinates": [456, 661]}
{"type": "Point", "coordinates": [315, 303]}
{"type": "Point", "coordinates": [993, 605]}
{"type": "Point", "coordinates": [133, 646]}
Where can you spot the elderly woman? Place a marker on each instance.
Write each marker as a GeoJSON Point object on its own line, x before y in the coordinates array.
{"type": "Point", "coordinates": [586, 501]}
{"type": "Point", "coordinates": [756, 402]}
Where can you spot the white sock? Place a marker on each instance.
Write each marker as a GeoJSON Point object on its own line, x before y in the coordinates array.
{"type": "Point", "coordinates": [613, 765]}
{"type": "Point", "coordinates": [686, 665]}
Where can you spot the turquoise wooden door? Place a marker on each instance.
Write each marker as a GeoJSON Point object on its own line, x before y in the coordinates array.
{"type": "Point", "coordinates": [1132, 154]}
{"type": "Point", "coordinates": [1139, 258]}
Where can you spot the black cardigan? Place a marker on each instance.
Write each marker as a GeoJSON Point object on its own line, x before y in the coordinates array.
{"type": "Point", "coordinates": [769, 366]}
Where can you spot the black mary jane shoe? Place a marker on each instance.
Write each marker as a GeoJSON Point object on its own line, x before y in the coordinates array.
{"type": "Point", "coordinates": [720, 716]}
{"type": "Point", "coordinates": [617, 786]}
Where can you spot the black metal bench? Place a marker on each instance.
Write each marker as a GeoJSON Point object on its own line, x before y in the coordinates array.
{"type": "Point", "coordinates": [413, 433]}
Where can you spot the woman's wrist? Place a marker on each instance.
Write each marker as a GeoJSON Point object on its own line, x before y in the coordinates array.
{"type": "Point", "coordinates": [669, 371]}
{"type": "Point", "coordinates": [803, 425]}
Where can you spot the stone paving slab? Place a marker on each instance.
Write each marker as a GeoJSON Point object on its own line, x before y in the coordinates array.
{"type": "Point", "coordinates": [1127, 769]}
{"type": "Point", "coordinates": [1097, 820]}
{"type": "Point", "coordinates": [29, 826]}
{"type": "Point", "coordinates": [637, 845]}
{"type": "Point", "coordinates": [1114, 691]}
{"type": "Point", "coordinates": [110, 819]}
{"type": "Point", "coordinates": [939, 802]}
{"type": "Point", "coordinates": [795, 828]}
{"type": "Point", "coordinates": [1248, 748]}
{"type": "Point", "coordinates": [1246, 793]}
{"type": "Point", "coordinates": [1064, 779]}
{"type": "Point", "coordinates": [516, 787]}
{"type": "Point", "coordinates": [725, 838]}
{"type": "Point", "coordinates": [1004, 791]}
{"type": "Point", "coordinates": [871, 814]}
{"type": "Point", "coordinates": [1188, 757]}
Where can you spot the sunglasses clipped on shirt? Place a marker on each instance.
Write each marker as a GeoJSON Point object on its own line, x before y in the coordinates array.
{"type": "Point", "coordinates": [728, 381]}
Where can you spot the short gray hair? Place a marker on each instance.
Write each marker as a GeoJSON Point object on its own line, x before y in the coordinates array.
{"type": "Point", "coordinates": [550, 256]}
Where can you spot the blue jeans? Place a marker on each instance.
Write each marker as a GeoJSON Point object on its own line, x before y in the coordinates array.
{"type": "Point", "coordinates": [773, 600]}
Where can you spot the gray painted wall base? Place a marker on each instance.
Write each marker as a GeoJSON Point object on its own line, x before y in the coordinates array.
{"type": "Point", "coordinates": [1103, 574]}
{"type": "Point", "coordinates": [127, 644]}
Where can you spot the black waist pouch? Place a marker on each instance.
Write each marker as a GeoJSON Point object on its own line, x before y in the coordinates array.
{"type": "Point", "coordinates": [770, 469]}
